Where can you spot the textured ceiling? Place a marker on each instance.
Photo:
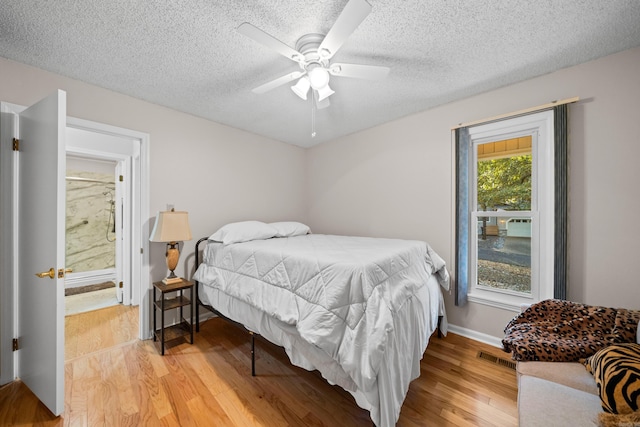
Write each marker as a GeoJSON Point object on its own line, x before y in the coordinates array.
{"type": "Point", "coordinates": [187, 55]}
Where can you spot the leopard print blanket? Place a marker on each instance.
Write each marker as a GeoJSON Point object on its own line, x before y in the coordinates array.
{"type": "Point", "coordinates": [564, 331]}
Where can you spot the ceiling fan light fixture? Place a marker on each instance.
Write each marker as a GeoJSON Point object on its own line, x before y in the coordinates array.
{"type": "Point", "coordinates": [324, 92]}
{"type": "Point", "coordinates": [318, 77]}
{"type": "Point", "coordinates": [301, 88]}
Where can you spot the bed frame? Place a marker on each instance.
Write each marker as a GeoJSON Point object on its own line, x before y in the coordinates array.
{"type": "Point", "coordinates": [199, 303]}
{"type": "Point", "coordinates": [217, 313]}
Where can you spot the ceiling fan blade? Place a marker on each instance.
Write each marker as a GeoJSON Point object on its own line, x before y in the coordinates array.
{"type": "Point", "coordinates": [270, 42]}
{"type": "Point", "coordinates": [351, 16]}
{"type": "Point", "coordinates": [278, 82]}
{"type": "Point", "coordinates": [368, 72]}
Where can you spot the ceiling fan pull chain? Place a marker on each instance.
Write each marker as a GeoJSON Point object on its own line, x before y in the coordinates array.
{"type": "Point", "coordinates": [313, 113]}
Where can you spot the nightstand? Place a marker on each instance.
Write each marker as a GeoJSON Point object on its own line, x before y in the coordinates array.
{"type": "Point", "coordinates": [164, 303]}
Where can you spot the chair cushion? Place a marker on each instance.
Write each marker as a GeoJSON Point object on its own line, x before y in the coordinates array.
{"type": "Point", "coordinates": [571, 374]}
{"type": "Point", "coordinates": [543, 403]}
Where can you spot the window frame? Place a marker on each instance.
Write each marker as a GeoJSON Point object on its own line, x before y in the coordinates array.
{"type": "Point", "coordinates": [541, 127]}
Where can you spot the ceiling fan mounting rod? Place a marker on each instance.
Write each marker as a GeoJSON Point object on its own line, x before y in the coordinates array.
{"type": "Point", "coordinates": [308, 45]}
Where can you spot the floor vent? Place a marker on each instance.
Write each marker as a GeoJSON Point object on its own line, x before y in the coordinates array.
{"type": "Point", "coordinates": [497, 360]}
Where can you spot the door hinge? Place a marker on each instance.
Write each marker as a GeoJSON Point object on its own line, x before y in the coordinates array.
{"type": "Point", "coordinates": [120, 285]}
{"type": "Point", "coordinates": [15, 346]}
{"type": "Point", "coordinates": [121, 178]}
{"type": "Point", "coordinates": [141, 250]}
{"type": "Point", "coordinates": [16, 144]}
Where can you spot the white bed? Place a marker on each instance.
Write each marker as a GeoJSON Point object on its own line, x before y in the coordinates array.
{"type": "Point", "coordinates": [359, 310]}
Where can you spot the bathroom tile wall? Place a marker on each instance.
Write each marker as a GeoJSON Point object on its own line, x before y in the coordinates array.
{"type": "Point", "coordinates": [90, 240]}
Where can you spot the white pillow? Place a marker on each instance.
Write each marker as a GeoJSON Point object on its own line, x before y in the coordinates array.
{"type": "Point", "coordinates": [290, 228]}
{"type": "Point", "coordinates": [243, 231]}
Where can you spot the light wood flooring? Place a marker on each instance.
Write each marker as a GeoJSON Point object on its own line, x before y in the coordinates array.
{"type": "Point", "coordinates": [209, 383]}
{"type": "Point", "coordinates": [90, 301]}
{"type": "Point", "coordinates": [89, 332]}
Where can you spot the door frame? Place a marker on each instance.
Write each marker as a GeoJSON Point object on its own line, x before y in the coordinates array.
{"type": "Point", "coordinates": [9, 241]}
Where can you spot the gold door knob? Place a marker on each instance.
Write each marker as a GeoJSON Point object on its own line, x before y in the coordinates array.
{"type": "Point", "coordinates": [50, 274]}
{"type": "Point", "coordinates": [62, 271]}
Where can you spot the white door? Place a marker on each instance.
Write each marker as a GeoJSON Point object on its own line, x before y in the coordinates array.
{"type": "Point", "coordinates": [42, 165]}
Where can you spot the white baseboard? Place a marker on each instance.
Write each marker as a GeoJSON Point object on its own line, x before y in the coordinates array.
{"type": "Point", "coordinates": [475, 335]}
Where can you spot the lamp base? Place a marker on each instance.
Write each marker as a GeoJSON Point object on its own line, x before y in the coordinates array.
{"type": "Point", "coordinates": [172, 280]}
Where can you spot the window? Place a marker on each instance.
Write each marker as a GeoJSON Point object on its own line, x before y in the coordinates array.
{"type": "Point", "coordinates": [503, 188]}
{"type": "Point", "coordinates": [507, 188]}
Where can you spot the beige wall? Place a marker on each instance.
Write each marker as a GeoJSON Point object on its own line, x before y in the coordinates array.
{"type": "Point", "coordinates": [395, 180]}
{"type": "Point", "coordinates": [216, 173]}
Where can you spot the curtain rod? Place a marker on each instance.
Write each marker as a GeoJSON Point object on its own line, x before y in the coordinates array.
{"type": "Point", "coordinates": [519, 112]}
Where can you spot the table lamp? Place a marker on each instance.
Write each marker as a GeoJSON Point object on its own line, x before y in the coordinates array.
{"type": "Point", "coordinates": [171, 227]}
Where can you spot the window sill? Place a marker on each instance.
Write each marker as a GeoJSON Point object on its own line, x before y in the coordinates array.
{"type": "Point", "coordinates": [510, 303]}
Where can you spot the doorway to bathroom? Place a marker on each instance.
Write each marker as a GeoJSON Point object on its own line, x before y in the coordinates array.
{"type": "Point", "coordinates": [107, 196]}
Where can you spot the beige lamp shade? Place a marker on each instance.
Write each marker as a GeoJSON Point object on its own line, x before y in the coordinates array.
{"type": "Point", "coordinates": [171, 226]}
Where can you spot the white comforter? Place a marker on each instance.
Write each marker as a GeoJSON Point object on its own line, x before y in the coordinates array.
{"type": "Point", "coordinates": [342, 294]}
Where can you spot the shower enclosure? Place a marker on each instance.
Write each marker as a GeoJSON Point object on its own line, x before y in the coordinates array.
{"type": "Point", "coordinates": [90, 225]}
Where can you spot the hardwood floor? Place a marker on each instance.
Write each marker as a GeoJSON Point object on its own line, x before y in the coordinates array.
{"type": "Point", "coordinates": [99, 329]}
{"type": "Point", "coordinates": [209, 383]}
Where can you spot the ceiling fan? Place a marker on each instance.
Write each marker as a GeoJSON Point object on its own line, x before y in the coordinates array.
{"type": "Point", "coordinates": [313, 53]}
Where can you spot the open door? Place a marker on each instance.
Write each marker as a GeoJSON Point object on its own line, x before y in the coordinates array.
{"type": "Point", "coordinates": [41, 262]}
